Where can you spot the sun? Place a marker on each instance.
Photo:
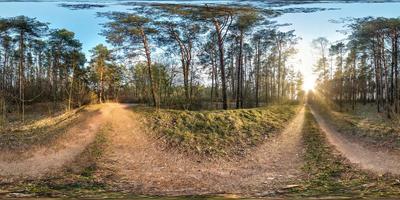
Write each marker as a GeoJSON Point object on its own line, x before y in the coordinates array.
{"type": "Point", "coordinates": [309, 82]}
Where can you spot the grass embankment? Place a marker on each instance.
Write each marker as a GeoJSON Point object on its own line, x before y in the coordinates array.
{"type": "Point", "coordinates": [330, 174]}
{"type": "Point", "coordinates": [39, 130]}
{"type": "Point", "coordinates": [365, 123]}
{"type": "Point", "coordinates": [218, 133]}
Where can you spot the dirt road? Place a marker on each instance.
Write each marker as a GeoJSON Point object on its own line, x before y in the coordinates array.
{"type": "Point", "coordinates": [138, 163]}
{"type": "Point", "coordinates": [366, 157]}
{"type": "Point", "coordinates": [43, 160]}
{"type": "Point", "coordinates": [135, 161]}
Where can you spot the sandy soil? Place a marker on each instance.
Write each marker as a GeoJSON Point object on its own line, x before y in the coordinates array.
{"type": "Point", "coordinates": [365, 156]}
{"type": "Point", "coordinates": [136, 162]}
{"type": "Point", "coordinates": [42, 160]}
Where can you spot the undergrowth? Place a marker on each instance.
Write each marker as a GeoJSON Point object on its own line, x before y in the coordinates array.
{"type": "Point", "coordinates": [218, 133]}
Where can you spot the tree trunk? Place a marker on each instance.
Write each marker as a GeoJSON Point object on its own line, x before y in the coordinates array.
{"type": "Point", "coordinates": [279, 72]}
{"type": "Point", "coordinates": [239, 77]}
{"type": "Point", "coordinates": [101, 85]}
{"type": "Point", "coordinates": [257, 78]}
{"type": "Point", "coordinates": [395, 40]}
{"type": "Point", "coordinates": [341, 81]}
{"type": "Point", "coordinates": [185, 60]}
{"type": "Point", "coordinates": [153, 85]}
{"type": "Point", "coordinates": [221, 64]}
{"type": "Point", "coordinates": [21, 75]}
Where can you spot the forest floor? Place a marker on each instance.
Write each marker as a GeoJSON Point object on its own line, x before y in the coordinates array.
{"type": "Point", "coordinates": [111, 151]}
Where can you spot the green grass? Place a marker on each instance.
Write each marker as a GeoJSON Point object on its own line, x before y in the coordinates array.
{"type": "Point", "coordinates": [329, 174]}
{"type": "Point", "coordinates": [218, 133]}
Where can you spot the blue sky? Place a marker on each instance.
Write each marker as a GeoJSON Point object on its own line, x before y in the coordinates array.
{"type": "Point", "coordinates": [84, 23]}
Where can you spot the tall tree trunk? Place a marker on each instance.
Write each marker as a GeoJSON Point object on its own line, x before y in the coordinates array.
{"type": "Point", "coordinates": [341, 81]}
{"type": "Point", "coordinates": [267, 85]}
{"type": "Point", "coordinates": [4, 84]}
{"type": "Point", "coordinates": [257, 78]}
{"type": "Point", "coordinates": [214, 75]}
{"type": "Point", "coordinates": [216, 89]}
{"type": "Point", "coordinates": [221, 63]}
{"type": "Point", "coordinates": [385, 77]}
{"type": "Point", "coordinates": [212, 82]}
{"type": "Point", "coordinates": [71, 87]}
{"type": "Point", "coordinates": [232, 75]}
{"type": "Point", "coordinates": [377, 73]}
{"type": "Point", "coordinates": [101, 95]}
{"type": "Point", "coordinates": [153, 85]}
{"type": "Point", "coordinates": [279, 72]}
{"type": "Point", "coordinates": [395, 88]}
{"type": "Point", "coordinates": [54, 78]}
{"type": "Point", "coordinates": [353, 81]}
{"type": "Point", "coordinates": [185, 52]}
{"type": "Point", "coordinates": [239, 92]}
{"type": "Point", "coordinates": [21, 75]}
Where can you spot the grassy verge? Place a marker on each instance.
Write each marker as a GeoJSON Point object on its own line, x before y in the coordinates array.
{"type": "Point", "coordinates": [329, 174]}
{"type": "Point", "coordinates": [364, 123]}
{"type": "Point", "coordinates": [218, 133]}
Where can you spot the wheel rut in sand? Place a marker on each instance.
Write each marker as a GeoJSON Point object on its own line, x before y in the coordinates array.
{"type": "Point", "coordinates": [368, 158]}
{"type": "Point", "coordinates": [38, 162]}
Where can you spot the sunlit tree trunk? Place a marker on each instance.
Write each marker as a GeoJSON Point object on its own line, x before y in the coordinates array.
{"type": "Point", "coordinates": [153, 85]}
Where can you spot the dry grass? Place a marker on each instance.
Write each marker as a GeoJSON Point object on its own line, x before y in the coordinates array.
{"type": "Point", "coordinates": [218, 132]}
{"type": "Point", "coordinates": [365, 123]}
{"type": "Point", "coordinates": [40, 128]}
{"type": "Point", "coordinates": [331, 175]}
